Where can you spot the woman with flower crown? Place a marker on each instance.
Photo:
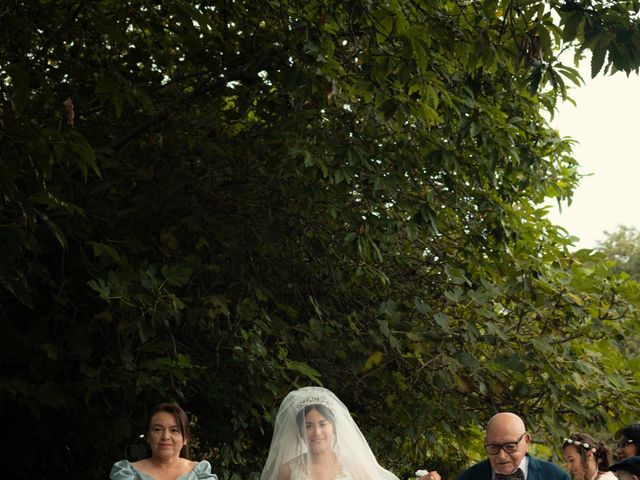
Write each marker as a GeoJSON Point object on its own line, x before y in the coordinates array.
{"type": "Point", "coordinates": [587, 458]}
{"type": "Point", "coordinates": [315, 438]}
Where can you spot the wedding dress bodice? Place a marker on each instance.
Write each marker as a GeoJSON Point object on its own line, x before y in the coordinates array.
{"type": "Point", "coordinates": [299, 473]}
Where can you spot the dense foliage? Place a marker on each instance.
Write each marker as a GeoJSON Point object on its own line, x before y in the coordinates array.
{"type": "Point", "coordinates": [218, 201]}
{"type": "Point", "coordinates": [623, 247]}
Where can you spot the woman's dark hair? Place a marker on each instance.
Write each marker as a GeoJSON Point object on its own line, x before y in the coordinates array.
{"type": "Point", "coordinates": [584, 443]}
{"type": "Point", "coordinates": [181, 421]}
{"type": "Point", "coordinates": [321, 409]}
{"type": "Point", "coordinates": [630, 432]}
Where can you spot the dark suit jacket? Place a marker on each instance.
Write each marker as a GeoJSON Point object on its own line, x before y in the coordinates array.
{"type": "Point", "coordinates": [538, 470]}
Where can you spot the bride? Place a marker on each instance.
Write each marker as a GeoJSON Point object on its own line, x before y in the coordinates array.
{"type": "Point", "coordinates": [315, 438]}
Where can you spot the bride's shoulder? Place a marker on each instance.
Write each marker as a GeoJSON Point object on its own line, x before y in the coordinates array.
{"type": "Point", "coordinates": [285, 471]}
{"type": "Point", "coordinates": [293, 469]}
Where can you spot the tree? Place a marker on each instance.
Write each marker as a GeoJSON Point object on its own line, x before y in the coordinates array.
{"type": "Point", "coordinates": [214, 202]}
{"type": "Point", "coordinates": [623, 247]}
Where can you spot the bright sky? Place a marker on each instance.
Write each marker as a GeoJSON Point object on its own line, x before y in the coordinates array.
{"type": "Point", "coordinates": [606, 125]}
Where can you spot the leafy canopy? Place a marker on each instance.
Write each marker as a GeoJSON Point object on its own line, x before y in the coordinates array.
{"type": "Point", "coordinates": [215, 202]}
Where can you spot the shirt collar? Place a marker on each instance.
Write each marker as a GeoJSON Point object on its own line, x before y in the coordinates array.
{"type": "Point", "coordinates": [524, 466]}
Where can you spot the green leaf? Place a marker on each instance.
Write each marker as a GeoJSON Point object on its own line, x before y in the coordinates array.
{"type": "Point", "coordinates": [442, 319]}
{"type": "Point", "coordinates": [305, 370]}
{"type": "Point", "coordinates": [101, 287]}
{"type": "Point", "coordinates": [572, 24]}
{"type": "Point", "coordinates": [599, 53]}
{"type": "Point", "coordinates": [176, 275]}
{"type": "Point", "coordinates": [373, 360]}
{"type": "Point", "coordinates": [102, 248]}
{"type": "Point", "coordinates": [534, 79]}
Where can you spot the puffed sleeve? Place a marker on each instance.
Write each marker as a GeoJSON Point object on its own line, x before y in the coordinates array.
{"type": "Point", "coordinates": [123, 470]}
{"type": "Point", "coordinates": [203, 471]}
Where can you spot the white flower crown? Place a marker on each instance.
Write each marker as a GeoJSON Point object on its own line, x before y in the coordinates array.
{"type": "Point", "coordinates": [578, 443]}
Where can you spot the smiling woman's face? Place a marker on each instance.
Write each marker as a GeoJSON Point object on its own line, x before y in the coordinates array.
{"type": "Point", "coordinates": [626, 449]}
{"type": "Point", "coordinates": [164, 436]}
{"type": "Point", "coordinates": [319, 432]}
{"type": "Point", "coordinates": [576, 466]}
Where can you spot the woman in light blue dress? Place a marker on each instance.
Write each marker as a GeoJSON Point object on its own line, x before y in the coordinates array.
{"type": "Point", "coordinates": [167, 435]}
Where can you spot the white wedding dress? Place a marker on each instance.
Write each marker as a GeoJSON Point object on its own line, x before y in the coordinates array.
{"type": "Point", "coordinates": [315, 416]}
{"type": "Point", "coordinates": [298, 473]}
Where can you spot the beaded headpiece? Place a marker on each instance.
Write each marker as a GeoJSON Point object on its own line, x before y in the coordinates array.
{"type": "Point", "coordinates": [314, 396]}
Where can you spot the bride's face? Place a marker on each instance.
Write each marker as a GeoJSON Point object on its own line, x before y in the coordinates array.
{"type": "Point", "coordinates": [319, 432]}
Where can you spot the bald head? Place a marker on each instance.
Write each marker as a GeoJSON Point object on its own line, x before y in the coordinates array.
{"type": "Point", "coordinates": [505, 422]}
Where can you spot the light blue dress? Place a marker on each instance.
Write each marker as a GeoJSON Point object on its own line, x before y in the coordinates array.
{"type": "Point", "coordinates": [123, 470]}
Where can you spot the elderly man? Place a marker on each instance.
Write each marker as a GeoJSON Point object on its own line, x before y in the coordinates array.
{"type": "Point", "coordinates": [507, 443]}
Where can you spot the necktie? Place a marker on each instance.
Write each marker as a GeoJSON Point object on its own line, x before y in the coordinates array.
{"type": "Point", "coordinates": [517, 475]}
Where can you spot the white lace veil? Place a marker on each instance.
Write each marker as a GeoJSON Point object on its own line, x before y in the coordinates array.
{"type": "Point", "coordinates": [288, 445]}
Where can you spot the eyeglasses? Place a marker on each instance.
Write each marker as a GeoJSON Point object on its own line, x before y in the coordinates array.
{"type": "Point", "coordinates": [508, 447]}
{"type": "Point", "coordinates": [624, 442]}
{"type": "Point", "coordinates": [577, 443]}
